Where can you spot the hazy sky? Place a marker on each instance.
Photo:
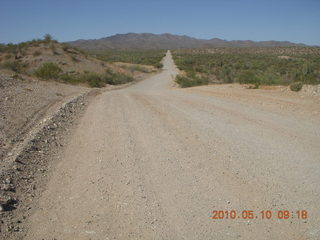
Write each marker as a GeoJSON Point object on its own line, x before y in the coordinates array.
{"type": "Point", "coordinates": [292, 20]}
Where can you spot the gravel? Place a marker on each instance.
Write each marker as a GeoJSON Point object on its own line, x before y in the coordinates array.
{"type": "Point", "coordinates": [33, 149]}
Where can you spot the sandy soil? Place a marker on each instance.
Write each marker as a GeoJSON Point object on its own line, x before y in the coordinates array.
{"type": "Point", "coordinates": [152, 161]}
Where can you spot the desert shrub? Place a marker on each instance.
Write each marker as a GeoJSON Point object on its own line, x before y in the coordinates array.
{"type": "Point", "coordinates": [35, 42]}
{"type": "Point", "coordinates": [252, 65]}
{"type": "Point", "coordinates": [137, 68]}
{"type": "Point", "coordinates": [48, 38]}
{"type": "Point", "coordinates": [48, 71]}
{"type": "Point", "coordinates": [248, 77]}
{"type": "Point", "coordinates": [296, 86]}
{"type": "Point", "coordinates": [68, 78]}
{"type": "Point", "coordinates": [65, 46]}
{"type": "Point", "coordinates": [269, 77]}
{"type": "Point", "coordinates": [2, 47]}
{"type": "Point", "coordinates": [185, 82]}
{"type": "Point", "coordinates": [113, 78]}
{"type": "Point", "coordinates": [14, 66]}
{"type": "Point", "coordinates": [158, 65]}
{"type": "Point", "coordinates": [146, 57]}
{"type": "Point", "coordinates": [93, 79]}
{"type": "Point", "coordinates": [225, 75]}
{"type": "Point", "coordinates": [97, 80]}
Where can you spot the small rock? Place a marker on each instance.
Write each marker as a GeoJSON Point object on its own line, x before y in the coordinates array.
{"type": "Point", "coordinates": [15, 167]}
{"type": "Point", "coordinates": [6, 187]}
{"type": "Point", "coordinates": [8, 181]}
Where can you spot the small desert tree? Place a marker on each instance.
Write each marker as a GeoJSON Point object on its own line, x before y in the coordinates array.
{"type": "Point", "coordinates": [48, 38]}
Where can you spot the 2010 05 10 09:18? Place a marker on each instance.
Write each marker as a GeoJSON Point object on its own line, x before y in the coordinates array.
{"type": "Point", "coordinates": [264, 214]}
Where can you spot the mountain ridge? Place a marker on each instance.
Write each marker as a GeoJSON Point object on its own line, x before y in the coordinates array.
{"type": "Point", "coordinates": [170, 41]}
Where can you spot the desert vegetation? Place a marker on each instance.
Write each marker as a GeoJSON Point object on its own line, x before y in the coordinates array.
{"type": "Point", "coordinates": [191, 80]}
{"type": "Point", "coordinates": [145, 57]}
{"type": "Point", "coordinates": [137, 68]}
{"type": "Point", "coordinates": [52, 71]}
{"type": "Point", "coordinates": [48, 71]}
{"type": "Point", "coordinates": [14, 66]}
{"type": "Point", "coordinates": [47, 59]}
{"type": "Point", "coordinates": [20, 47]}
{"type": "Point", "coordinates": [255, 66]}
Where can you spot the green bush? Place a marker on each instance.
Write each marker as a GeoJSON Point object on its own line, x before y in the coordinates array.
{"type": "Point", "coordinates": [68, 78]}
{"type": "Point", "coordinates": [137, 68]}
{"type": "Point", "coordinates": [48, 71]}
{"type": "Point", "coordinates": [97, 80]}
{"type": "Point", "coordinates": [116, 78]}
{"type": "Point", "coordinates": [158, 65]}
{"type": "Point", "coordinates": [48, 38]}
{"type": "Point", "coordinates": [296, 86]}
{"type": "Point", "coordinates": [225, 75]}
{"type": "Point", "coordinates": [93, 79]}
{"type": "Point", "coordinates": [185, 82]}
{"type": "Point", "coordinates": [248, 77]}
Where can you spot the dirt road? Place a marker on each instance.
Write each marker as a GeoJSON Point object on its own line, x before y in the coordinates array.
{"type": "Point", "coordinates": [152, 161]}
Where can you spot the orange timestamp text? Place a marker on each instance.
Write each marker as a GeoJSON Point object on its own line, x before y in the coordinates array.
{"type": "Point", "coordinates": [264, 214]}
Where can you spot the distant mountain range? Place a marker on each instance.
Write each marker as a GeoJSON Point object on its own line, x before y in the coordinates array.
{"type": "Point", "coordinates": [168, 41]}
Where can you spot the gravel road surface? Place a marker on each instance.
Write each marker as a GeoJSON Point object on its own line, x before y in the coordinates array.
{"type": "Point", "coordinates": [153, 161]}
